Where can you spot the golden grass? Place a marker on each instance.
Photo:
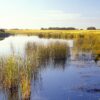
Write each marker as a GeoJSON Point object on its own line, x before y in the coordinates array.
{"type": "Point", "coordinates": [55, 33]}
{"type": "Point", "coordinates": [16, 72]}
{"type": "Point", "coordinates": [90, 38]}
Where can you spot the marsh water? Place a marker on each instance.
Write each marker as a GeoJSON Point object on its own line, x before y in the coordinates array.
{"type": "Point", "coordinates": [53, 73]}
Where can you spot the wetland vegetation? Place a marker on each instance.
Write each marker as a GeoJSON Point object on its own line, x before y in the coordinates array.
{"type": "Point", "coordinates": [57, 59]}
{"type": "Point", "coordinates": [86, 40]}
{"type": "Point", "coordinates": [17, 72]}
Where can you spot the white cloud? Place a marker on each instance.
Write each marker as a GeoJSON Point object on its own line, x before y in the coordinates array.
{"type": "Point", "coordinates": [53, 15]}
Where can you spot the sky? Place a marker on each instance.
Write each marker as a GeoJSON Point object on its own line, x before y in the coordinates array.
{"type": "Point", "coordinates": [33, 14]}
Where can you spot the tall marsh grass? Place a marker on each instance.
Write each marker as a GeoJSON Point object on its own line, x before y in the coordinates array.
{"type": "Point", "coordinates": [65, 34]}
{"type": "Point", "coordinates": [53, 50]}
{"type": "Point", "coordinates": [16, 73]}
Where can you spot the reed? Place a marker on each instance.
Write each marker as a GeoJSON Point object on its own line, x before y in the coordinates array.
{"type": "Point", "coordinates": [53, 50]}
{"type": "Point", "coordinates": [65, 34]}
{"type": "Point", "coordinates": [17, 72]}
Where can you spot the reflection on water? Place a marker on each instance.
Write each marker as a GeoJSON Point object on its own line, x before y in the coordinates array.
{"type": "Point", "coordinates": [42, 69]}
{"type": "Point", "coordinates": [16, 44]}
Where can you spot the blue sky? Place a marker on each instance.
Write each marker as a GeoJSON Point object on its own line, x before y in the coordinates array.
{"type": "Point", "coordinates": [49, 13]}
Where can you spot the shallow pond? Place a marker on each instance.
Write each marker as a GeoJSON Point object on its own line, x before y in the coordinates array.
{"type": "Point", "coordinates": [44, 71]}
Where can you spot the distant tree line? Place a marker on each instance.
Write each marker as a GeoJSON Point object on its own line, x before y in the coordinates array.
{"type": "Point", "coordinates": [67, 28]}
{"type": "Point", "coordinates": [56, 28]}
{"type": "Point", "coordinates": [59, 28]}
{"type": "Point", "coordinates": [91, 28]}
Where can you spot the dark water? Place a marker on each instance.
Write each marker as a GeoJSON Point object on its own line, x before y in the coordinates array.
{"type": "Point", "coordinates": [61, 79]}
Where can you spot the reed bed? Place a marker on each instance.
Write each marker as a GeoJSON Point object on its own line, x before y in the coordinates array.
{"type": "Point", "coordinates": [85, 40]}
{"type": "Point", "coordinates": [89, 43]}
{"type": "Point", "coordinates": [53, 50]}
{"type": "Point", "coordinates": [16, 73]}
{"type": "Point", "coordinates": [65, 34]}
